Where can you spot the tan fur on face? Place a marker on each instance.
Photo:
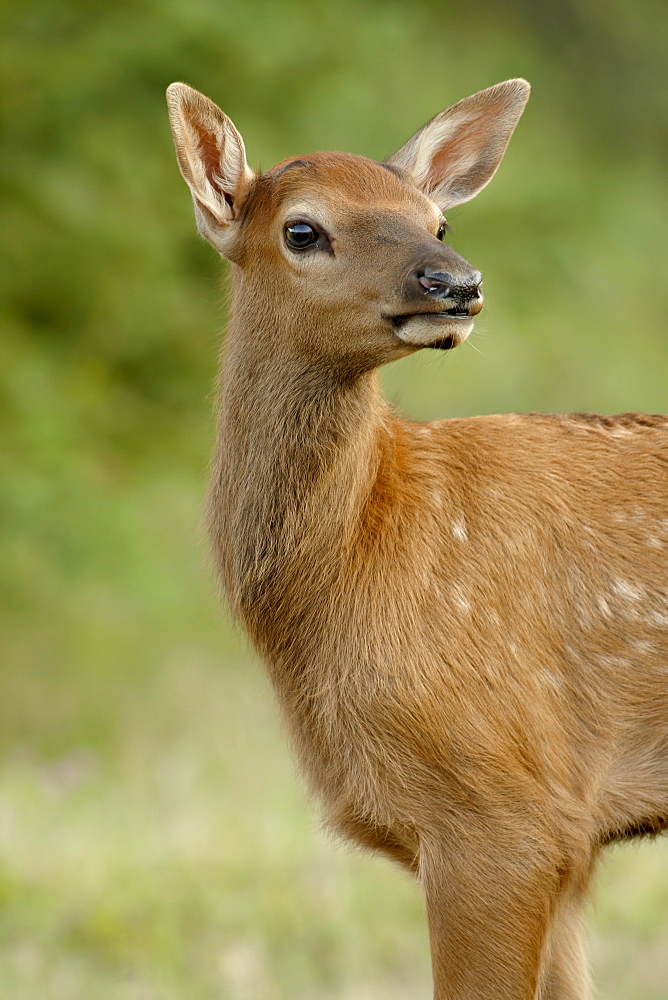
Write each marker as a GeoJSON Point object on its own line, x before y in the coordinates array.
{"type": "Point", "coordinates": [465, 621]}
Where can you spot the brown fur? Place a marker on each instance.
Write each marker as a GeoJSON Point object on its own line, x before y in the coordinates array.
{"type": "Point", "coordinates": [466, 621]}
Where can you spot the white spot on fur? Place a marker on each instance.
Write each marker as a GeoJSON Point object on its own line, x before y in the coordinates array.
{"type": "Point", "coordinates": [658, 618]}
{"type": "Point", "coordinates": [614, 661]}
{"type": "Point", "coordinates": [458, 528]}
{"type": "Point", "coordinates": [604, 607]}
{"type": "Point", "coordinates": [460, 599]}
{"type": "Point", "coordinates": [627, 591]}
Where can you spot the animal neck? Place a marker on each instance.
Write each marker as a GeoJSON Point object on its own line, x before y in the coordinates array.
{"type": "Point", "coordinates": [299, 448]}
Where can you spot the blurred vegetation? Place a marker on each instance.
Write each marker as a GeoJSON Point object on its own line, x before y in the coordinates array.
{"type": "Point", "coordinates": [153, 840]}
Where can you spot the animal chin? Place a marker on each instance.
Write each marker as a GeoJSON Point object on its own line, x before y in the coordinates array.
{"type": "Point", "coordinates": [442, 330]}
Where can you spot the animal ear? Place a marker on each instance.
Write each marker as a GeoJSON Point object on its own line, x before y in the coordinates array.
{"type": "Point", "coordinates": [212, 160]}
{"type": "Point", "coordinates": [456, 154]}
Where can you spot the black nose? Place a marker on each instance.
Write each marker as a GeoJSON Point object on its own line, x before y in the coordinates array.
{"type": "Point", "coordinates": [441, 285]}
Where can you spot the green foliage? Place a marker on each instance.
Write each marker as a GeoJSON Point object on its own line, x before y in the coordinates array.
{"type": "Point", "coordinates": [152, 841]}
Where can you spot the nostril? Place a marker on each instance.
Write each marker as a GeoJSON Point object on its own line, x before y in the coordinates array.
{"type": "Point", "coordinates": [465, 294]}
{"type": "Point", "coordinates": [439, 281]}
{"type": "Point", "coordinates": [430, 284]}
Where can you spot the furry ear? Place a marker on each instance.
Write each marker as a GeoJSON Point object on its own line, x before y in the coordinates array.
{"type": "Point", "coordinates": [456, 154]}
{"type": "Point", "coordinates": [212, 160]}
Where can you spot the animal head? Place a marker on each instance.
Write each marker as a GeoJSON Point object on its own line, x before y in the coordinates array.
{"type": "Point", "coordinates": [342, 255]}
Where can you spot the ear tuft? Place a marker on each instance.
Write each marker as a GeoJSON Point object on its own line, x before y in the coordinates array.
{"type": "Point", "coordinates": [457, 153]}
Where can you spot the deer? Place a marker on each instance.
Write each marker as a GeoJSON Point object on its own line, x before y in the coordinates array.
{"type": "Point", "coordinates": [465, 621]}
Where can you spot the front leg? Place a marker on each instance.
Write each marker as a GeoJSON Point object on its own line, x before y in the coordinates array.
{"type": "Point", "coordinates": [565, 973]}
{"type": "Point", "coordinates": [491, 896]}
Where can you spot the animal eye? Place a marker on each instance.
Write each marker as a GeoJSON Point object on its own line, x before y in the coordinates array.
{"type": "Point", "coordinates": [442, 230]}
{"type": "Point", "coordinates": [300, 235]}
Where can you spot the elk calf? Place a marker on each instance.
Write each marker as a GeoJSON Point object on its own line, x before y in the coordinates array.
{"type": "Point", "coordinates": [465, 621]}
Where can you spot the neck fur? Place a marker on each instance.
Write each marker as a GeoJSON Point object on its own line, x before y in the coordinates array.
{"type": "Point", "coordinates": [298, 452]}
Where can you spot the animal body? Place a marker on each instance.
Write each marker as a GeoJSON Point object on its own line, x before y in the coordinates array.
{"type": "Point", "coordinates": [465, 621]}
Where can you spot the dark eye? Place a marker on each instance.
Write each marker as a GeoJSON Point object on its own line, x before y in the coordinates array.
{"type": "Point", "coordinates": [442, 230]}
{"type": "Point", "coordinates": [300, 235]}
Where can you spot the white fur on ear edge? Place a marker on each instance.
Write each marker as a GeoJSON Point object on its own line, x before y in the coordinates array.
{"type": "Point", "coordinates": [210, 153]}
{"type": "Point", "coordinates": [457, 153]}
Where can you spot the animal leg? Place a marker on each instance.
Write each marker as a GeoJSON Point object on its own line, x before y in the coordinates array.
{"type": "Point", "coordinates": [565, 973]}
{"type": "Point", "coordinates": [490, 897]}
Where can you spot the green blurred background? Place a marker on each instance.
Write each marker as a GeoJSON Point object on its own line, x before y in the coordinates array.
{"type": "Point", "coordinates": [154, 842]}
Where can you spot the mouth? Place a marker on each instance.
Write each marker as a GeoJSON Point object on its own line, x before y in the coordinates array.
{"type": "Point", "coordinates": [437, 317]}
{"type": "Point", "coordinates": [454, 326]}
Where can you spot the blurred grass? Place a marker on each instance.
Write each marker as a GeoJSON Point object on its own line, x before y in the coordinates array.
{"type": "Point", "coordinates": [154, 842]}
